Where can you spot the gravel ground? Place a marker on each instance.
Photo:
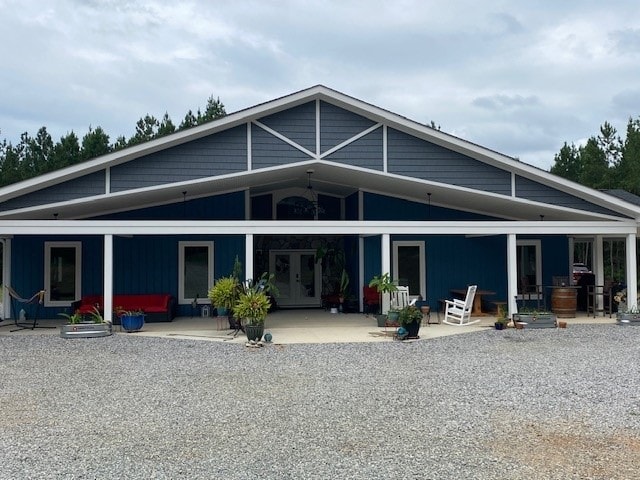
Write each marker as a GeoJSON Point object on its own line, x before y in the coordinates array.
{"type": "Point", "coordinates": [544, 404]}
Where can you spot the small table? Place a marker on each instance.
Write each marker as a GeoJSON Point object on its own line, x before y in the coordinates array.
{"type": "Point", "coordinates": [476, 309]}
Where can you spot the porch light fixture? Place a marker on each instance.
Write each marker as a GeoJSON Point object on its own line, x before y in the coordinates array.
{"type": "Point", "coordinates": [310, 208]}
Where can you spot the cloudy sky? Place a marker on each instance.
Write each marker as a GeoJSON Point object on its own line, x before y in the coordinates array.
{"type": "Point", "coordinates": [521, 77]}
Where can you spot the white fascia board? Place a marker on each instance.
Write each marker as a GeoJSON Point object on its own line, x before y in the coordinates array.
{"type": "Point", "coordinates": [121, 156]}
{"type": "Point", "coordinates": [266, 227]}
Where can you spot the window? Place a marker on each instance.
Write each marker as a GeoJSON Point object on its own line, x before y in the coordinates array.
{"type": "Point", "coordinates": [195, 271]}
{"type": "Point", "coordinates": [529, 262]}
{"type": "Point", "coordinates": [409, 266]}
{"type": "Point", "coordinates": [62, 273]}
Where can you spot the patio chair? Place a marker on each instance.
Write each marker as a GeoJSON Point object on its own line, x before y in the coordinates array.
{"type": "Point", "coordinates": [17, 306]}
{"type": "Point", "coordinates": [458, 312]}
{"type": "Point", "coordinates": [370, 300]}
{"type": "Point", "coordinates": [400, 298]}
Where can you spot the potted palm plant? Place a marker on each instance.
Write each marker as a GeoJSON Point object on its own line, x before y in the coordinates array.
{"type": "Point", "coordinates": [252, 305]}
{"type": "Point", "coordinates": [224, 294]}
{"type": "Point", "coordinates": [501, 318]}
{"type": "Point", "coordinates": [384, 285]}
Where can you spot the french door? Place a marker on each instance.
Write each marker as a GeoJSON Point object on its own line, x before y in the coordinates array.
{"type": "Point", "coordinates": [298, 277]}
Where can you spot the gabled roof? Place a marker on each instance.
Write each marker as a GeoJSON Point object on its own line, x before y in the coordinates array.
{"type": "Point", "coordinates": [337, 179]}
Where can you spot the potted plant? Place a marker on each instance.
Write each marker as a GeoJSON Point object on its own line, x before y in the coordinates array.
{"type": "Point", "coordinates": [410, 318]}
{"type": "Point", "coordinates": [384, 285]}
{"type": "Point", "coordinates": [501, 318]}
{"type": "Point", "coordinates": [253, 305]}
{"type": "Point", "coordinates": [78, 327]}
{"type": "Point", "coordinates": [131, 320]}
{"type": "Point", "coordinates": [224, 294]}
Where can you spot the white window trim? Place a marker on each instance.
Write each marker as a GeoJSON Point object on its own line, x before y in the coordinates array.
{"type": "Point", "coordinates": [538, 248]}
{"type": "Point", "coordinates": [421, 247]}
{"type": "Point", "coordinates": [47, 272]}
{"type": "Point", "coordinates": [181, 247]}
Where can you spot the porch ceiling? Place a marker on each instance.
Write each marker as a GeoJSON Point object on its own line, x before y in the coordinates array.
{"type": "Point", "coordinates": [328, 178]}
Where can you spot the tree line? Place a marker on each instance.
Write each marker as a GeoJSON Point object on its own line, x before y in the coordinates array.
{"type": "Point", "coordinates": [36, 155]}
{"type": "Point", "coordinates": [605, 161]}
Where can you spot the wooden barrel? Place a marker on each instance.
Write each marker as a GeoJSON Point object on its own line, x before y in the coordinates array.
{"type": "Point", "coordinates": [564, 302]}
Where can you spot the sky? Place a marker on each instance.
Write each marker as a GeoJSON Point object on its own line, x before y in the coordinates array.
{"type": "Point", "coordinates": [521, 78]}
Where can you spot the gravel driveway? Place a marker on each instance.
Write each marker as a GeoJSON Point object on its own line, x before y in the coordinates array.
{"type": "Point", "coordinates": [486, 405]}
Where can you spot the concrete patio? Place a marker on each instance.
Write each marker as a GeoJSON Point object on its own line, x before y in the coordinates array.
{"type": "Point", "coordinates": [291, 327]}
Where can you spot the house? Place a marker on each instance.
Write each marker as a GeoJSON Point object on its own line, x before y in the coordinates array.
{"type": "Point", "coordinates": [276, 183]}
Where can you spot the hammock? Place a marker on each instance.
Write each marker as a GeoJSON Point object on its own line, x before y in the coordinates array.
{"type": "Point", "coordinates": [17, 307]}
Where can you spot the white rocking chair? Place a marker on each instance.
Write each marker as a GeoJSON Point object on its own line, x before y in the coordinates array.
{"type": "Point", "coordinates": [400, 298]}
{"type": "Point", "coordinates": [458, 312]}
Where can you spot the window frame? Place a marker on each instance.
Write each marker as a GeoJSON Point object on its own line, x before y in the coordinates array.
{"type": "Point", "coordinates": [537, 244]}
{"type": "Point", "coordinates": [423, 263]}
{"type": "Point", "coordinates": [210, 264]}
{"type": "Point", "coordinates": [48, 246]}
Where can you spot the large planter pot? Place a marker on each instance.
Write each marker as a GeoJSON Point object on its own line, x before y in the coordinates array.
{"type": "Point", "coordinates": [537, 320]}
{"type": "Point", "coordinates": [382, 320]}
{"type": "Point", "coordinates": [132, 323]}
{"type": "Point", "coordinates": [85, 330]}
{"type": "Point", "coordinates": [628, 319]}
{"type": "Point", "coordinates": [499, 325]}
{"type": "Point", "coordinates": [254, 332]}
{"type": "Point", "coordinates": [412, 329]}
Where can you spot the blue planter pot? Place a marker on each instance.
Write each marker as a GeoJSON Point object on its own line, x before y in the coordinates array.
{"type": "Point", "coordinates": [132, 323]}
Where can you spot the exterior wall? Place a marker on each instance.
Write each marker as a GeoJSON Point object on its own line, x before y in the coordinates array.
{"type": "Point", "coordinates": [297, 123]}
{"type": "Point", "coordinates": [219, 154]}
{"type": "Point", "coordinates": [366, 152]}
{"type": "Point", "coordinates": [535, 191]}
{"type": "Point", "coordinates": [142, 264]}
{"type": "Point", "coordinates": [229, 206]}
{"type": "Point", "coordinates": [338, 125]}
{"type": "Point", "coordinates": [410, 156]}
{"type": "Point", "coordinates": [88, 185]}
{"type": "Point", "coordinates": [380, 207]}
{"type": "Point", "coordinates": [269, 151]}
{"type": "Point", "coordinates": [351, 207]}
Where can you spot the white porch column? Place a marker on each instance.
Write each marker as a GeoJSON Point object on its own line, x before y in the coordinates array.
{"type": "Point", "coordinates": [361, 271]}
{"type": "Point", "coordinates": [386, 253]}
{"type": "Point", "coordinates": [385, 267]}
{"type": "Point", "coordinates": [248, 256]}
{"type": "Point", "coordinates": [512, 274]}
{"type": "Point", "coordinates": [108, 278]}
{"type": "Point", "coordinates": [598, 266]}
{"type": "Point", "coordinates": [632, 271]}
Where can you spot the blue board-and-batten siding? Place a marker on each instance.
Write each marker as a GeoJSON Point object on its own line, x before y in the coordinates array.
{"type": "Point", "coordinates": [141, 264]}
{"type": "Point", "coordinates": [413, 157]}
{"type": "Point", "coordinates": [538, 192]}
{"type": "Point", "coordinates": [228, 206]}
{"type": "Point", "coordinates": [219, 154]}
{"type": "Point", "coordinates": [85, 186]}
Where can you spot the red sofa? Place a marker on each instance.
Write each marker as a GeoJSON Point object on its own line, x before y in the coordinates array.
{"type": "Point", "coordinates": [158, 307]}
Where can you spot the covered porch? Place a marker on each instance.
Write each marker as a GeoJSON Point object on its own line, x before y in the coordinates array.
{"type": "Point", "coordinates": [295, 327]}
